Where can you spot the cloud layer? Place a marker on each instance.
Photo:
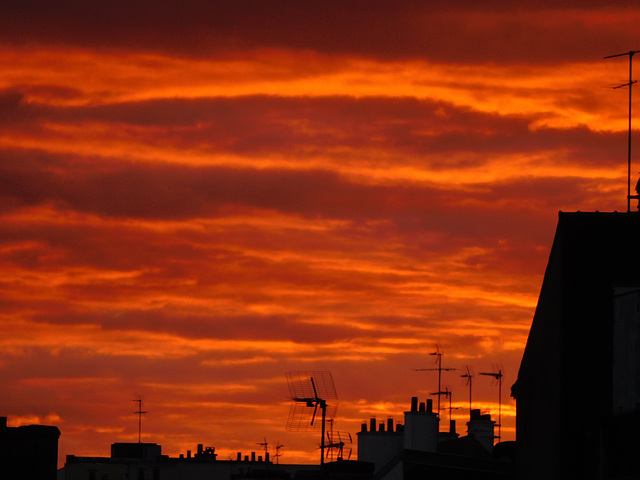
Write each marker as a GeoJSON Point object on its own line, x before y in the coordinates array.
{"type": "Point", "coordinates": [196, 200]}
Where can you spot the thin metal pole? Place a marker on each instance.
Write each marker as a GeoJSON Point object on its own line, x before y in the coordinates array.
{"type": "Point", "coordinates": [630, 84]}
{"type": "Point", "coordinates": [500, 407]}
{"type": "Point", "coordinates": [470, 403]}
{"type": "Point", "coordinates": [140, 413]}
{"type": "Point", "coordinates": [629, 137]}
{"type": "Point", "coordinates": [323, 405]}
{"type": "Point", "coordinates": [439, 381]}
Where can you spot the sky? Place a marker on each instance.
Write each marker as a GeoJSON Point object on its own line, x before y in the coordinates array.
{"type": "Point", "coordinates": [198, 197]}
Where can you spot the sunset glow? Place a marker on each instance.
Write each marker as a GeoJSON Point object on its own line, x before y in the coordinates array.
{"type": "Point", "coordinates": [195, 202]}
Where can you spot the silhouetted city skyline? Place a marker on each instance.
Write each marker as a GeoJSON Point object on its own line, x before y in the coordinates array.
{"type": "Point", "coordinates": [195, 200]}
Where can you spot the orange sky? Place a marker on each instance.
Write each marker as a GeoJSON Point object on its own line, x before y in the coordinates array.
{"type": "Point", "coordinates": [196, 199]}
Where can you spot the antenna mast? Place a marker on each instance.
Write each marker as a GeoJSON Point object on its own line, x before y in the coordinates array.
{"type": "Point", "coordinates": [469, 377]}
{"type": "Point", "coordinates": [498, 376]}
{"type": "Point", "coordinates": [278, 454]}
{"type": "Point", "coordinates": [438, 355]}
{"type": "Point", "coordinates": [447, 393]}
{"type": "Point", "coordinates": [139, 413]}
{"type": "Point", "coordinates": [311, 390]}
{"type": "Point", "coordinates": [630, 85]}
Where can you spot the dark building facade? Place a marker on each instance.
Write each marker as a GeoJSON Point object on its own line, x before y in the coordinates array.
{"type": "Point", "coordinates": [29, 452]}
{"type": "Point", "coordinates": [578, 387]}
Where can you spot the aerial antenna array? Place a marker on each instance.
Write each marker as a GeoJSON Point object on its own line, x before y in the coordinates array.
{"type": "Point", "coordinates": [335, 442]}
{"type": "Point", "coordinates": [469, 377]}
{"type": "Point", "coordinates": [438, 354]}
{"type": "Point", "coordinates": [265, 444]}
{"type": "Point", "coordinates": [139, 412]}
{"type": "Point", "coordinates": [277, 455]}
{"type": "Point", "coordinates": [447, 394]}
{"type": "Point", "coordinates": [309, 392]}
{"type": "Point", "coordinates": [498, 376]}
{"type": "Point", "coordinates": [630, 53]}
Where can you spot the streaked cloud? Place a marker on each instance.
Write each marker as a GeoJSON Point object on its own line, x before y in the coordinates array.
{"type": "Point", "coordinates": [196, 200]}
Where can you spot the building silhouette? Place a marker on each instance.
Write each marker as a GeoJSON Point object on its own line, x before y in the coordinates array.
{"type": "Point", "coordinates": [578, 387]}
{"type": "Point", "coordinates": [145, 461]}
{"type": "Point", "coordinates": [418, 450]}
{"type": "Point", "coordinates": [29, 452]}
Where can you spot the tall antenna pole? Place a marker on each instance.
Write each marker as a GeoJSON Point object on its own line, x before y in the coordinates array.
{"type": "Point", "coordinates": [139, 413]}
{"type": "Point", "coordinates": [438, 355]}
{"type": "Point", "coordinates": [630, 85]}
{"type": "Point", "coordinates": [498, 376]}
{"type": "Point", "coordinates": [469, 377]}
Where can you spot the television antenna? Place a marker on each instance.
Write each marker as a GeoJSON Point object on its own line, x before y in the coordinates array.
{"type": "Point", "coordinates": [498, 376]}
{"type": "Point", "coordinates": [630, 85]}
{"type": "Point", "coordinates": [438, 354]}
{"type": "Point", "coordinates": [139, 412]}
{"type": "Point", "coordinates": [469, 377]}
{"type": "Point", "coordinates": [309, 392]}
{"type": "Point", "coordinates": [265, 444]}
{"type": "Point", "coordinates": [278, 454]}
{"type": "Point", "coordinates": [447, 393]}
{"type": "Point", "coordinates": [338, 445]}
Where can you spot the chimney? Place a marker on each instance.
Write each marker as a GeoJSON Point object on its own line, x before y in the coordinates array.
{"type": "Point", "coordinates": [372, 425]}
{"type": "Point", "coordinates": [253, 456]}
{"type": "Point", "coordinates": [482, 428]}
{"type": "Point", "coordinates": [363, 428]}
{"type": "Point", "coordinates": [389, 424]}
{"type": "Point", "coordinates": [199, 449]}
{"type": "Point", "coordinates": [429, 405]}
{"type": "Point", "coordinates": [420, 430]}
{"type": "Point", "coordinates": [452, 426]}
{"type": "Point", "coordinates": [239, 457]}
{"type": "Point", "coordinates": [414, 404]}
{"type": "Point", "coordinates": [266, 456]}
